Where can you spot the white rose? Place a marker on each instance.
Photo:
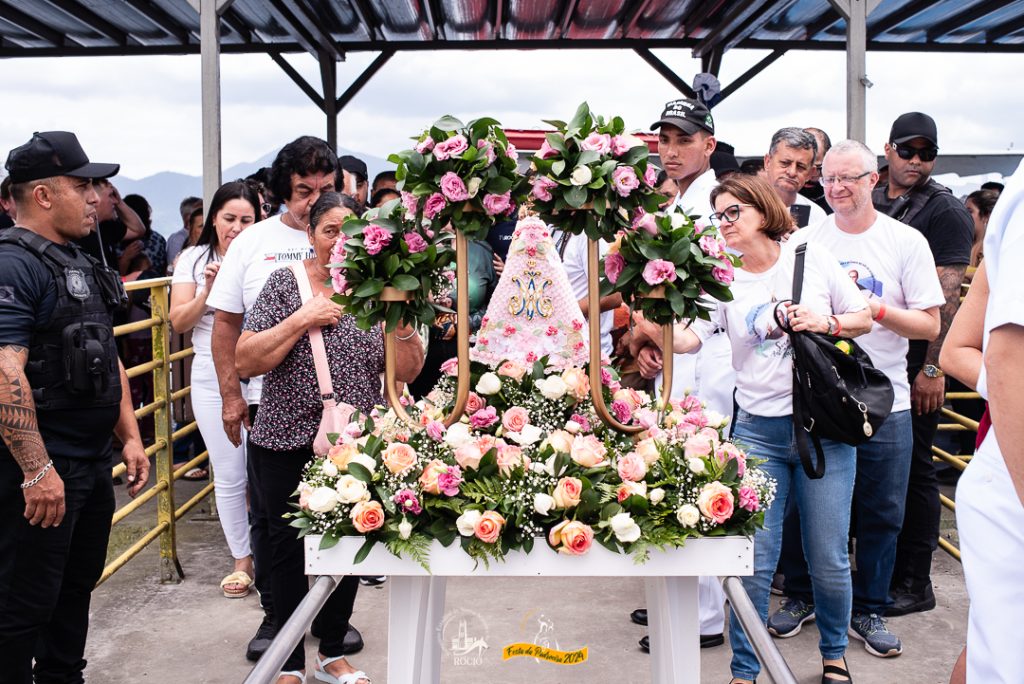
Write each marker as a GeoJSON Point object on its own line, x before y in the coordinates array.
{"type": "Point", "coordinates": [467, 522]}
{"type": "Point", "coordinates": [404, 529]}
{"type": "Point", "coordinates": [328, 468]}
{"type": "Point", "coordinates": [572, 426]}
{"type": "Point", "coordinates": [351, 490]}
{"type": "Point", "coordinates": [323, 500]}
{"type": "Point", "coordinates": [688, 515]}
{"type": "Point", "coordinates": [457, 435]}
{"type": "Point", "coordinates": [473, 186]}
{"type": "Point", "coordinates": [489, 384]}
{"type": "Point", "coordinates": [625, 528]}
{"type": "Point", "coordinates": [677, 219]}
{"type": "Point", "coordinates": [365, 461]}
{"type": "Point", "coordinates": [542, 503]}
{"type": "Point", "coordinates": [529, 435]}
{"type": "Point", "coordinates": [552, 387]}
{"type": "Point", "coordinates": [581, 175]}
{"type": "Point", "coordinates": [715, 419]}
{"type": "Point", "coordinates": [657, 495]}
{"type": "Point", "coordinates": [695, 465]}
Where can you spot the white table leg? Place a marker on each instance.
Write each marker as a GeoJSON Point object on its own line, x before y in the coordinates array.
{"type": "Point", "coordinates": [407, 637]}
{"type": "Point", "coordinates": [430, 672]}
{"type": "Point", "coordinates": [674, 630]}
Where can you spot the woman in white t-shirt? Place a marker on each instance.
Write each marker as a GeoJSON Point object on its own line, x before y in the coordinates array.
{"type": "Point", "coordinates": [752, 220]}
{"type": "Point", "coordinates": [234, 208]}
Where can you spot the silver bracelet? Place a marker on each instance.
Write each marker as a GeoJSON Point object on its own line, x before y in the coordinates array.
{"type": "Point", "coordinates": [35, 480]}
{"type": "Point", "coordinates": [407, 337]}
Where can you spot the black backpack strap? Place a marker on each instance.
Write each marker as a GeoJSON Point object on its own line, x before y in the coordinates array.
{"type": "Point", "coordinates": [798, 272]}
{"type": "Point", "coordinates": [803, 424]}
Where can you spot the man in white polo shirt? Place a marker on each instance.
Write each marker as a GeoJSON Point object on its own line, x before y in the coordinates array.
{"type": "Point", "coordinates": [891, 264]}
{"type": "Point", "coordinates": [787, 167]}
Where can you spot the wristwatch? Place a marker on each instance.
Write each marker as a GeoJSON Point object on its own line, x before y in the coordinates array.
{"type": "Point", "coordinates": [931, 371]}
{"type": "Point", "coordinates": [832, 324]}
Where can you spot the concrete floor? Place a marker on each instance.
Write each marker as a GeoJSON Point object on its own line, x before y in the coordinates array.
{"type": "Point", "coordinates": [144, 631]}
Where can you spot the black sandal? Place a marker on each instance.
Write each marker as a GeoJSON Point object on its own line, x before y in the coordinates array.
{"type": "Point", "coordinates": [836, 670]}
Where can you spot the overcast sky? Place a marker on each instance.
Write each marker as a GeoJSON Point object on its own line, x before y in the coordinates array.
{"type": "Point", "coordinates": [144, 112]}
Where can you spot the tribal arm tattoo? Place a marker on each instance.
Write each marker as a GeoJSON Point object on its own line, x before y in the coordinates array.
{"type": "Point", "coordinates": [951, 278]}
{"type": "Point", "coordinates": [18, 426]}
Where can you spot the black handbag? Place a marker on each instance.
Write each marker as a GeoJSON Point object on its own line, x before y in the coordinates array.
{"type": "Point", "coordinates": [837, 392]}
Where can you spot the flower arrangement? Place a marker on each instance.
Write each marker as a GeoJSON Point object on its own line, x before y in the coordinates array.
{"type": "Point", "coordinates": [665, 263]}
{"type": "Point", "coordinates": [530, 460]}
{"type": "Point", "coordinates": [593, 164]}
{"type": "Point", "coordinates": [459, 173]}
{"type": "Point", "coordinates": [385, 250]}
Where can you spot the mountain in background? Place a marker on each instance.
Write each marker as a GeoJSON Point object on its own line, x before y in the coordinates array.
{"type": "Point", "coordinates": [165, 190]}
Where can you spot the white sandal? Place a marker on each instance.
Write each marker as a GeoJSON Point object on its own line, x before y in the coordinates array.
{"type": "Point", "coordinates": [321, 674]}
{"type": "Point", "coordinates": [294, 673]}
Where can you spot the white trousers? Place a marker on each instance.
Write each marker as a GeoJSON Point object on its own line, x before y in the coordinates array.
{"type": "Point", "coordinates": [229, 478]}
{"type": "Point", "coordinates": [990, 520]}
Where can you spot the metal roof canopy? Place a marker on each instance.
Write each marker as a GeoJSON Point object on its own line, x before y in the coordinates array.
{"type": "Point", "coordinates": [329, 29]}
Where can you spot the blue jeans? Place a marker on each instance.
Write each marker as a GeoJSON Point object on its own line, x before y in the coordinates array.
{"type": "Point", "coordinates": [824, 507]}
{"type": "Point", "coordinates": [883, 467]}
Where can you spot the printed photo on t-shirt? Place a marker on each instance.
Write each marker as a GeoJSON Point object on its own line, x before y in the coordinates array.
{"type": "Point", "coordinates": [764, 333]}
{"type": "Point", "coordinates": [863, 277]}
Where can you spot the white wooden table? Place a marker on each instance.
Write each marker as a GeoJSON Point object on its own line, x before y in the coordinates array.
{"type": "Point", "coordinates": [416, 605]}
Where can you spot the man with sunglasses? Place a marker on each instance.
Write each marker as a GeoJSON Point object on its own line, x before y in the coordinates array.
{"type": "Point", "coordinates": [911, 196]}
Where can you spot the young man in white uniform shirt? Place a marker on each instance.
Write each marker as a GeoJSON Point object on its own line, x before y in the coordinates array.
{"type": "Point", "coordinates": [303, 169]}
{"type": "Point", "coordinates": [893, 268]}
{"type": "Point", "coordinates": [990, 495]}
{"type": "Point", "coordinates": [573, 251]}
{"type": "Point", "coordinates": [686, 140]}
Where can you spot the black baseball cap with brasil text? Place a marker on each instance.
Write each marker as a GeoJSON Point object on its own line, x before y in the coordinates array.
{"type": "Point", "coordinates": [688, 115]}
{"type": "Point", "coordinates": [54, 153]}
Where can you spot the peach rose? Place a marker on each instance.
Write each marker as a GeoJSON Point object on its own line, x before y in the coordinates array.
{"type": "Point", "coordinates": [630, 396]}
{"type": "Point", "coordinates": [468, 456]}
{"type": "Point", "coordinates": [560, 441]}
{"type": "Point", "coordinates": [515, 419]}
{"type": "Point", "coordinates": [367, 516]}
{"type": "Point", "coordinates": [305, 491]}
{"type": "Point", "coordinates": [428, 479]}
{"type": "Point", "coordinates": [399, 457]}
{"type": "Point", "coordinates": [715, 502]}
{"type": "Point", "coordinates": [509, 457]}
{"type": "Point", "coordinates": [341, 454]}
{"type": "Point", "coordinates": [571, 537]}
{"type": "Point", "coordinates": [628, 489]}
{"type": "Point", "coordinates": [474, 403]}
{"type": "Point", "coordinates": [488, 527]}
{"type": "Point", "coordinates": [567, 492]}
{"type": "Point", "coordinates": [648, 450]}
{"type": "Point", "coordinates": [511, 369]}
{"type": "Point", "coordinates": [588, 451]}
{"type": "Point", "coordinates": [632, 467]}
{"type": "Point", "coordinates": [577, 382]}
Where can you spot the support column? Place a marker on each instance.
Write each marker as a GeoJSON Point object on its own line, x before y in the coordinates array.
{"type": "Point", "coordinates": [856, 14]}
{"type": "Point", "coordinates": [209, 50]}
{"type": "Point", "coordinates": [329, 82]}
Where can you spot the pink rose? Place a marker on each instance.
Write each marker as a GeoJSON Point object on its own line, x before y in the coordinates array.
{"type": "Point", "coordinates": [628, 489]}
{"type": "Point", "coordinates": [613, 265]}
{"type": "Point", "coordinates": [367, 516]}
{"type": "Point", "coordinates": [630, 396]}
{"type": "Point", "coordinates": [305, 491]}
{"type": "Point", "coordinates": [724, 274]}
{"type": "Point", "coordinates": [474, 403]}
{"type": "Point", "coordinates": [571, 537]}
{"type": "Point", "coordinates": [399, 457]}
{"type": "Point", "coordinates": [696, 418]}
{"type": "Point", "coordinates": [415, 242]}
{"type": "Point", "coordinates": [375, 238]}
{"type": "Point", "coordinates": [546, 150]}
{"type": "Point", "coordinates": [511, 152]}
{"type": "Point", "coordinates": [577, 382]}
{"type": "Point", "coordinates": [620, 145]}
{"type": "Point", "coordinates": [645, 222]}
{"type": "Point", "coordinates": [648, 450]}
{"type": "Point", "coordinates": [483, 418]}
{"type": "Point", "coordinates": [542, 186]}
{"type": "Point", "coordinates": [453, 187]}
{"type": "Point", "coordinates": [428, 479]}
{"type": "Point", "coordinates": [749, 500]}
{"type": "Point", "coordinates": [452, 147]}
{"type": "Point", "coordinates": [567, 492]}
{"type": "Point", "coordinates": [588, 451]}
{"type": "Point", "coordinates": [622, 412]}
{"type": "Point", "coordinates": [632, 467]}
{"type": "Point", "coordinates": [488, 528]}
{"type": "Point", "coordinates": [691, 402]}
{"type": "Point", "coordinates": [338, 282]}
{"type": "Point", "coordinates": [728, 451]}
{"type": "Point", "coordinates": [425, 145]}
{"type": "Point", "coordinates": [448, 481]}
{"type": "Point", "coordinates": [698, 446]}
{"type": "Point", "coordinates": [451, 366]}
{"type": "Point", "coordinates": [715, 502]}
{"type": "Point", "coordinates": [658, 271]}
{"type": "Point", "coordinates": [710, 246]}
{"type": "Point", "coordinates": [515, 419]}
{"type": "Point", "coordinates": [509, 456]}
{"type": "Point", "coordinates": [511, 369]}
{"type": "Point", "coordinates": [468, 455]}
{"type": "Point", "coordinates": [488, 149]}
{"type": "Point", "coordinates": [606, 376]}
{"type": "Point", "coordinates": [624, 180]}
{"type": "Point", "coordinates": [646, 418]}
{"type": "Point", "coordinates": [410, 202]}
{"type": "Point", "coordinates": [497, 204]}
{"type": "Point", "coordinates": [650, 176]}
{"type": "Point", "coordinates": [434, 205]}
{"type": "Point", "coordinates": [486, 443]}
{"type": "Point", "coordinates": [599, 142]}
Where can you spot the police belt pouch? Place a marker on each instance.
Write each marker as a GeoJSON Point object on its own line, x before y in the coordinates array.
{"type": "Point", "coordinates": [838, 394]}
{"type": "Point", "coordinates": [336, 414]}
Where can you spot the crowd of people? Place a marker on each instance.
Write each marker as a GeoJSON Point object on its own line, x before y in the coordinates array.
{"type": "Point", "coordinates": [881, 261]}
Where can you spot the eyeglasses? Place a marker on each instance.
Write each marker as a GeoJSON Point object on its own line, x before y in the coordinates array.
{"type": "Point", "coordinates": [842, 180]}
{"type": "Point", "coordinates": [907, 152]}
{"type": "Point", "coordinates": [730, 214]}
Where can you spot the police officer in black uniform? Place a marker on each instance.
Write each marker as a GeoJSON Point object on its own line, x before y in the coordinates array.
{"type": "Point", "coordinates": [63, 391]}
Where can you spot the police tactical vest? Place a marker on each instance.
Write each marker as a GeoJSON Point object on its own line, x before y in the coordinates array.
{"type": "Point", "coordinates": [72, 359]}
{"type": "Point", "coordinates": [908, 205]}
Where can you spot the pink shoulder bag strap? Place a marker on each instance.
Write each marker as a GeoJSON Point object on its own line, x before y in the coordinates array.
{"type": "Point", "coordinates": [336, 414]}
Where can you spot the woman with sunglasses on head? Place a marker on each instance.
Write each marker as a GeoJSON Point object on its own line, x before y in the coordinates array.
{"type": "Point", "coordinates": [752, 220]}
{"type": "Point", "coordinates": [234, 208]}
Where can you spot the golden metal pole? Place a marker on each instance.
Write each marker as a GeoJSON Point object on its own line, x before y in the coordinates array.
{"type": "Point", "coordinates": [462, 326]}
{"type": "Point", "coordinates": [594, 318]}
{"type": "Point", "coordinates": [390, 359]}
{"type": "Point", "coordinates": [667, 364]}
